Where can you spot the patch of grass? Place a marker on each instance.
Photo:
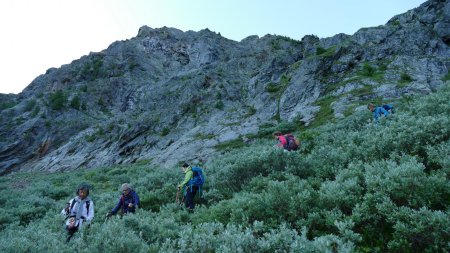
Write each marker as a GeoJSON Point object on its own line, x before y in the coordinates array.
{"type": "Point", "coordinates": [266, 130]}
{"type": "Point", "coordinates": [296, 65]}
{"type": "Point", "coordinates": [405, 79]}
{"type": "Point", "coordinates": [35, 111]}
{"type": "Point", "coordinates": [229, 145]}
{"type": "Point", "coordinates": [276, 45]}
{"type": "Point", "coordinates": [30, 105]}
{"type": "Point", "coordinates": [250, 112]}
{"type": "Point", "coordinates": [219, 105]}
{"type": "Point", "coordinates": [165, 131]}
{"type": "Point", "coordinates": [7, 105]}
{"type": "Point", "coordinates": [366, 90]}
{"type": "Point", "coordinates": [372, 72]}
{"type": "Point", "coordinates": [58, 100]}
{"type": "Point", "coordinates": [325, 113]}
{"type": "Point", "coordinates": [335, 86]}
{"type": "Point", "coordinates": [90, 137]}
{"type": "Point", "coordinates": [322, 52]}
{"type": "Point", "coordinates": [280, 87]}
{"type": "Point", "coordinates": [201, 136]}
{"type": "Point", "coordinates": [446, 77]}
{"type": "Point", "coordinates": [273, 87]}
{"type": "Point", "coordinates": [75, 102]}
{"type": "Point", "coordinates": [368, 70]}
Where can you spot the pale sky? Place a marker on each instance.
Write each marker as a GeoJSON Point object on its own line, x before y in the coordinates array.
{"type": "Point", "coordinates": [40, 34]}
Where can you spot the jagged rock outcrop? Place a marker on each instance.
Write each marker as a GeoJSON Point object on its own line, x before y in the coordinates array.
{"type": "Point", "coordinates": [167, 95]}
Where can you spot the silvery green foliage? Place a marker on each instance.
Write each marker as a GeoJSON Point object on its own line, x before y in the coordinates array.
{"type": "Point", "coordinates": [353, 187]}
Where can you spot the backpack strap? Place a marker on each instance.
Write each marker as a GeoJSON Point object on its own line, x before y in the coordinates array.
{"type": "Point", "coordinates": [71, 205]}
{"type": "Point", "coordinates": [88, 203]}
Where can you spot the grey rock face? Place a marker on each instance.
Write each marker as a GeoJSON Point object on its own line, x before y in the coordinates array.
{"type": "Point", "coordinates": [167, 96]}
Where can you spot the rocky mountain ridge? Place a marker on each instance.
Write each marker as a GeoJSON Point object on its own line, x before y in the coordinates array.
{"type": "Point", "coordinates": [166, 96]}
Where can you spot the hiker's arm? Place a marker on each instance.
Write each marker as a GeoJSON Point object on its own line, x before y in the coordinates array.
{"type": "Point", "coordinates": [91, 212]}
{"type": "Point", "coordinates": [386, 113]}
{"type": "Point", "coordinates": [375, 116]}
{"type": "Point", "coordinates": [117, 207]}
{"type": "Point", "coordinates": [187, 177]}
{"type": "Point", "coordinates": [64, 211]}
{"type": "Point", "coordinates": [136, 200]}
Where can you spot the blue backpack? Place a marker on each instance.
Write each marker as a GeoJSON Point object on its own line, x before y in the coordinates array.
{"type": "Point", "coordinates": [388, 107]}
{"type": "Point", "coordinates": [197, 179]}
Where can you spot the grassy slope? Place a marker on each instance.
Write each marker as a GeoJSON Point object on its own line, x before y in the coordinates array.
{"type": "Point", "coordinates": [354, 186]}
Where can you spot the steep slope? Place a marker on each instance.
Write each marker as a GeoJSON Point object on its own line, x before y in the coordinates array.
{"type": "Point", "coordinates": [167, 95]}
{"type": "Point", "coordinates": [353, 187]}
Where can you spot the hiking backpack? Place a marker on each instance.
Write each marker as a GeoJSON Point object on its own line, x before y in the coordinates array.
{"type": "Point", "coordinates": [88, 203]}
{"type": "Point", "coordinates": [197, 179]}
{"type": "Point", "coordinates": [291, 142]}
{"type": "Point", "coordinates": [388, 107]}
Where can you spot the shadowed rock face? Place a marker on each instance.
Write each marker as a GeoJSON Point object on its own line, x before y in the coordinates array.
{"type": "Point", "coordinates": [167, 96]}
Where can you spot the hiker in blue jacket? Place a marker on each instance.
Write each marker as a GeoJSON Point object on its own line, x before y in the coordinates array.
{"type": "Point", "coordinates": [128, 201]}
{"type": "Point", "coordinates": [380, 110]}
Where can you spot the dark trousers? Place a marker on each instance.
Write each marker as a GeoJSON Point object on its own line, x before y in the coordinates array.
{"type": "Point", "coordinates": [70, 232]}
{"type": "Point", "coordinates": [190, 194]}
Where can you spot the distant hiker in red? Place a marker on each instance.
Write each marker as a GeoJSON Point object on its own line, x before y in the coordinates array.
{"type": "Point", "coordinates": [286, 141]}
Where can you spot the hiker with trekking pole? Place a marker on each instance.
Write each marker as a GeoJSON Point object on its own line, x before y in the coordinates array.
{"type": "Point", "coordinates": [128, 202]}
{"type": "Point", "coordinates": [192, 183]}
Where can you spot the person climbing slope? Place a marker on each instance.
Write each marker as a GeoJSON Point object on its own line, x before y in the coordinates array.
{"type": "Point", "coordinates": [78, 211]}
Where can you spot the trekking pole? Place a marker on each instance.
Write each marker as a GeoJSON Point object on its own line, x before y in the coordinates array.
{"type": "Point", "coordinates": [176, 198]}
{"type": "Point", "coordinates": [106, 217]}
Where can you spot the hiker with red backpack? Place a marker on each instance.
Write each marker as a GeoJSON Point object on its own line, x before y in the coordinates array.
{"type": "Point", "coordinates": [128, 201]}
{"type": "Point", "coordinates": [79, 210]}
{"type": "Point", "coordinates": [192, 183]}
{"type": "Point", "coordinates": [286, 141]}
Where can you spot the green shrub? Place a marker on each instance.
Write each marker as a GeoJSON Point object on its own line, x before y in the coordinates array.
{"type": "Point", "coordinates": [58, 100]}
{"type": "Point", "coordinates": [273, 87]}
{"type": "Point", "coordinates": [75, 102]}
{"type": "Point", "coordinates": [219, 105]}
{"type": "Point", "coordinates": [165, 131]}
{"type": "Point", "coordinates": [35, 111]}
{"type": "Point", "coordinates": [320, 51]}
{"type": "Point", "coordinates": [353, 187]}
{"type": "Point", "coordinates": [229, 145]}
{"type": "Point", "coordinates": [7, 105]}
{"type": "Point", "coordinates": [30, 105]}
{"type": "Point", "coordinates": [446, 77]}
{"type": "Point", "coordinates": [405, 78]}
{"type": "Point", "coordinates": [368, 70]}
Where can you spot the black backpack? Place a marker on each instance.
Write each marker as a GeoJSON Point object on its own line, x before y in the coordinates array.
{"type": "Point", "coordinates": [88, 203]}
